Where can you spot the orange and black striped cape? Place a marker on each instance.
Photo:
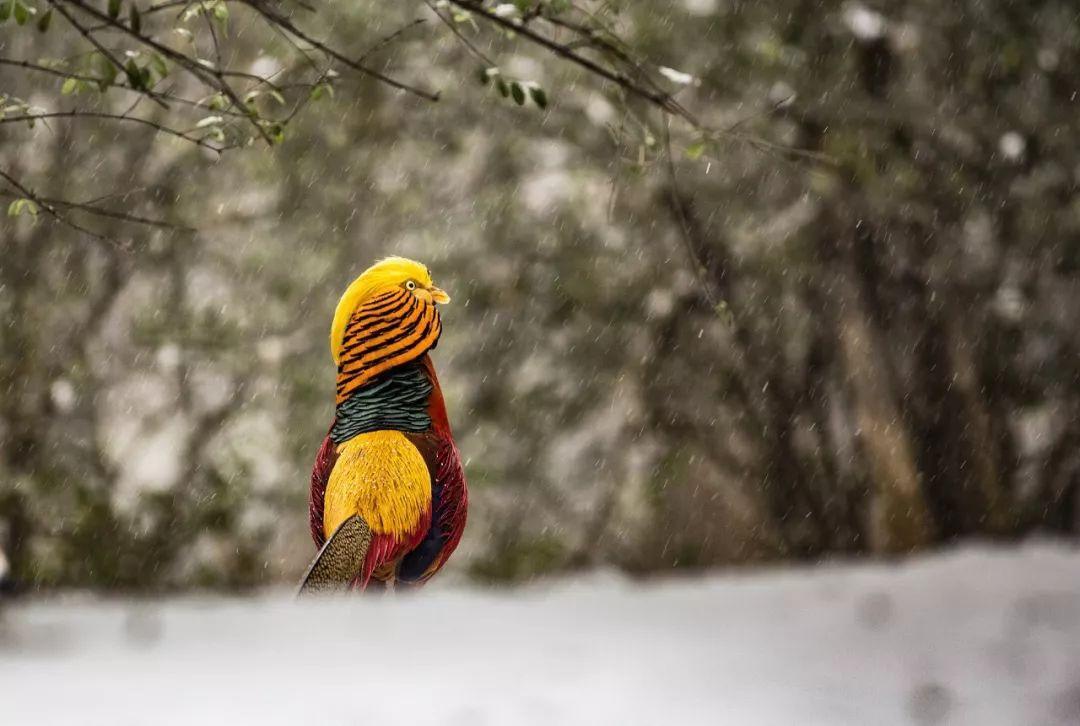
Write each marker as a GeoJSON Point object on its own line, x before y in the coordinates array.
{"type": "Point", "coordinates": [387, 331]}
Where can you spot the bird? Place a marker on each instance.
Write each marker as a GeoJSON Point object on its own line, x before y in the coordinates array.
{"type": "Point", "coordinates": [388, 498]}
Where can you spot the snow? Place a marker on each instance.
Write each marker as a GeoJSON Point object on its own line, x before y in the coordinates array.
{"type": "Point", "coordinates": [973, 636]}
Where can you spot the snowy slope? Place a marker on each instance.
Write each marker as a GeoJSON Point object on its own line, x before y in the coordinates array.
{"type": "Point", "coordinates": [976, 636]}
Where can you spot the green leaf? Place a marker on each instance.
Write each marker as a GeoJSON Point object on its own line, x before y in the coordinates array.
{"type": "Point", "coordinates": [217, 102]}
{"type": "Point", "coordinates": [482, 76]}
{"type": "Point", "coordinates": [518, 93]}
{"type": "Point", "coordinates": [221, 12]}
{"type": "Point", "coordinates": [19, 206]}
{"type": "Point", "coordinates": [695, 150]}
{"type": "Point", "coordinates": [106, 70]}
{"type": "Point", "coordinates": [5, 10]}
{"type": "Point", "coordinates": [71, 85]}
{"type": "Point", "coordinates": [277, 133]}
{"type": "Point", "coordinates": [114, 8]}
{"type": "Point", "coordinates": [134, 19]}
{"type": "Point", "coordinates": [134, 74]}
{"type": "Point", "coordinates": [320, 90]}
{"type": "Point", "coordinates": [21, 13]}
{"type": "Point", "coordinates": [538, 96]}
{"type": "Point", "coordinates": [159, 65]}
{"type": "Point", "coordinates": [503, 86]}
{"type": "Point", "coordinates": [45, 21]}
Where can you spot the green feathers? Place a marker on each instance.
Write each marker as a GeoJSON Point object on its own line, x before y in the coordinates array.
{"type": "Point", "coordinates": [396, 402]}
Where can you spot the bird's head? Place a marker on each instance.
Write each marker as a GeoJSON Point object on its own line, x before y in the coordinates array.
{"type": "Point", "coordinates": [386, 275]}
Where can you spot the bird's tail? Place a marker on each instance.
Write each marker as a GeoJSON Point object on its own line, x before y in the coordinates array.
{"type": "Point", "coordinates": [341, 559]}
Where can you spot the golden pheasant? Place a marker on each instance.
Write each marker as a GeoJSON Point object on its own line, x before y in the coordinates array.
{"type": "Point", "coordinates": [388, 495]}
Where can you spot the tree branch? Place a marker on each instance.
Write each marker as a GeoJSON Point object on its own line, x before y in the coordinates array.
{"type": "Point", "coordinates": [213, 78]}
{"type": "Point", "coordinates": [90, 208]}
{"type": "Point", "coordinates": [115, 117]}
{"type": "Point", "coordinates": [168, 97]}
{"type": "Point", "coordinates": [93, 41]}
{"type": "Point", "coordinates": [281, 21]}
{"type": "Point", "coordinates": [656, 98]}
{"type": "Point", "coordinates": [50, 210]}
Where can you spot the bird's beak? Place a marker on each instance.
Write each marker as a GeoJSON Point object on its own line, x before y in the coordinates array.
{"type": "Point", "coordinates": [438, 296]}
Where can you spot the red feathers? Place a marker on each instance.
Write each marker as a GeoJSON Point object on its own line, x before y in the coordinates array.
{"type": "Point", "coordinates": [320, 477]}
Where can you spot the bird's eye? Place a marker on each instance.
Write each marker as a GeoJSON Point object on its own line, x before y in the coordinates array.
{"type": "Point", "coordinates": [410, 285]}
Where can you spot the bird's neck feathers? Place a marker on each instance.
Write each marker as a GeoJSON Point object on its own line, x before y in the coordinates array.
{"type": "Point", "coordinates": [406, 399]}
{"type": "Point", "coordinates": [440, 422]}
{"type": "Point", "coordinates": [389, 330]}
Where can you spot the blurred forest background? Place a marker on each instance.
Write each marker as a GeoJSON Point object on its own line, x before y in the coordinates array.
{"type": "Point", "coordinates": [740, 352]}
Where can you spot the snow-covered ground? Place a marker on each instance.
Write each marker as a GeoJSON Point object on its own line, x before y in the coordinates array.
{"type": "Point", "coordinates": [975, 636]}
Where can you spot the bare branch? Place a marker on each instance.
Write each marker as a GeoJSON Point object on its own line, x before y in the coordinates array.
{"type": "Point", "coordinates": [115, 117]}
{"type": "Point", "coordinates": [449, 23]}
{"type": "Point", "coordinates": [276, 18]}
{"type": "Point", "coordinates": [387, 40]}
{"type": "Point", "coordinates": [90, 208]}
{"type": "Point", "coordinates": [50, 210]}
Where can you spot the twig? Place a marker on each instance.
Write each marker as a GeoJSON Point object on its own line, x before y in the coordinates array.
{"type": "Point", "coordinates": [449, 23]}
{"type": "Point", "coordinates": [662, 100]}
{"type": "Point", "coordinates": [91, 79]}
{"type": "Point", "coordinates": [93, 41]}
{"type": "Point", "coordinates": [89, 208]}
{"type": "Point", "coordinates": [651, 94]}
{"type": "Point", "coordinates": [113, 117]}
{"type": "Point", "coordinates": [210, 77]}
{"type": "Point", "coordinates": [213, 37]}
{"type": "Point", "coordinates": [591, 38]}
{"type": "Point", "coordinates": [50, 210]}
{"type": "Point", "coordinates": [280, 20]}
{"type": "Point", "coordinates": [387, 40]}
{"type": "Point", "coordinates": [684, 225]}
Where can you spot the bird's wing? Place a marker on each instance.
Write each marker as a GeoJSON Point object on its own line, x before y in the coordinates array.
{"type": "Point", "coordinates": [450, 500]}
{"type": "Point", "coordinates": [340, 559]}
{"type": "Point", "coordinates": [320, 477]}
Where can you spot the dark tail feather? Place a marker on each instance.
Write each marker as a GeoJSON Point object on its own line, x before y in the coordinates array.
{"type": "Point", "coordinates": [340, 560]}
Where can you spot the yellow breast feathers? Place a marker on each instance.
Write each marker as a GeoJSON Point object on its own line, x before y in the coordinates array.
{"type": "Point", "coordinates": [382, 477]}
{"type": "Point", "coordinates": [390, 329]}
